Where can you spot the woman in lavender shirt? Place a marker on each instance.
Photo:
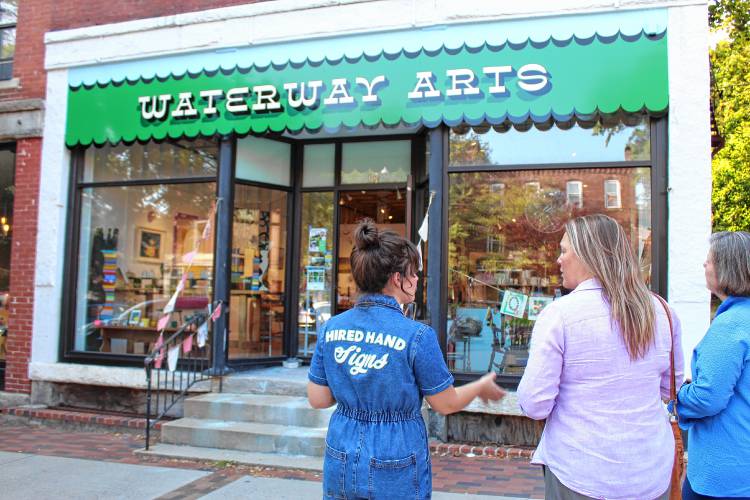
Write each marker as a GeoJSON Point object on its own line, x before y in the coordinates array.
{"type": "Point", "coordinates": [598, 372]}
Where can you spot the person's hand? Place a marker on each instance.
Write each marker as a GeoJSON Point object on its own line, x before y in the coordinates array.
{"type": "Point", "coordinates": [489, 390]}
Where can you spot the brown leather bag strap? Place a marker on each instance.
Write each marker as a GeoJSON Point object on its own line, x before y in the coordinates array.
{"type": "Point", "coordinates": [673, 378]}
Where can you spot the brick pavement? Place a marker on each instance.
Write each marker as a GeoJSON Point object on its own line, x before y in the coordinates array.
{"type": "Point", "coordinates": [459, 474]}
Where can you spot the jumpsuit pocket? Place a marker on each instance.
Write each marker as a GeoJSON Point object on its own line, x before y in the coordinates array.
{"type": "Point", "coordinates": [391, 479]}
{"type": "Point", "coordinates": [334, 473]}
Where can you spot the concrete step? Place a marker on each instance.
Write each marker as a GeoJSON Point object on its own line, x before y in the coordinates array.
{"type": "Point", "coordinates": [234, 456]}
{"type": "Point", "coordinates": [260, 408]}
{"type": "Point", "coordinates": [276, 380]}
{"type": "Point", "coordinates": [245, 436]}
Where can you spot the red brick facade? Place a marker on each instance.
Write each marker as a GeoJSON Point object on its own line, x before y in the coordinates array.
{"type": "Point", "coordinates": [35, 18]}
{"type": "Point", "coordinates": [23, 255]}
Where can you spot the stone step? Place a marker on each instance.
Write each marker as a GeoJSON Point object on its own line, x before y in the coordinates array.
{"type": "Point", "coordinates": [245, 436]}
{"type": "Point", "coordinates": [276, 380]}
{"type": "Point", "coordinates": [261, 408]}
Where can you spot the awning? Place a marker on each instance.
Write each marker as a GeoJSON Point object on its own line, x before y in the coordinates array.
{"type": "Point", "coordinates": [495, 72]}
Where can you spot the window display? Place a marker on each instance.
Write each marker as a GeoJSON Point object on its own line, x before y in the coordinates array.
{"type": "Point", "coordinates": [132, 239]}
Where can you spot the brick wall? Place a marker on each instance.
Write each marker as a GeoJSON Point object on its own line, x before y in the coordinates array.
{"type": "Point", "coordinates": [35, 18]}
{"type": "Point", "coordinates": [23, 254]}
{"type": "Point", "coordinates": [76, 13]}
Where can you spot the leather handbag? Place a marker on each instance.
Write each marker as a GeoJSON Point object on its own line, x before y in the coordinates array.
{"type": "Point", "coordinates": [678, 469]}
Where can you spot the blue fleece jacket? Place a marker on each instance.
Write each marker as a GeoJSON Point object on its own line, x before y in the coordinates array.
{"type": "Point", "coordinates": [715, 407]}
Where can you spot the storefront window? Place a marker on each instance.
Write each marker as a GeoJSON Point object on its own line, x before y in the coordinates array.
{"type": "Point", "coordinates": [263, 160]}
{"type": "Point", "coordinates": [259, 243]}
{"type": "Point", "coordinates": [316, 266]}
{"type": "Point", "coordinates": [506, 145]}
{"type": "Point", "coordinates": [7, 189]}
{"type": "Point", "coordinates": [375, 162]}
{"type": "Point", "coordinates": [319, 165]}
{"type": "Point", "coordinates": [503, 244]}
{"type": "Point", "coordinates": [8, 20]}
{"type": "Point", "coordinates": [165, 160]}
{"type": "Point", "coordinates": [131, 247]}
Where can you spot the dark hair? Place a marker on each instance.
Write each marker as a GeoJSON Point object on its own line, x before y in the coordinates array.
{"type": "Point", "coordinates": [378, 254]}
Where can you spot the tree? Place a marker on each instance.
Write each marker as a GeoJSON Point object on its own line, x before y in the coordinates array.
{"type": "Point", "coordinates": [730, 94]}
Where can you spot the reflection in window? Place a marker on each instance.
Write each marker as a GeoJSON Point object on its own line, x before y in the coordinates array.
{"type": "Point", "coordinates": [612, 194]}
{"type": "Point", "coordinates": [502, 253]}
{"type": "Point", "coordinates": [319, 165]}
{"type": "Point", "coordinates": [316, 266]}
{"type": "Point", "coordinates": [8, 20]}
{"type": "Point", "coordinates": [7, 172]}
{"type": "Point", "coordinates": [574, 193]}
{"type": "Point", "coordinates": [610, 140]}
{"type": "Point", "coordinates": [196, 158]}
{"type": "Point", "coordinates": [131, 244]}
{"type": "Point", "coordinates": [263, 160]}
{"type": "Point", "coordinates": [256, 325]}
{"type": "Point", "coordinates": [375, 162]}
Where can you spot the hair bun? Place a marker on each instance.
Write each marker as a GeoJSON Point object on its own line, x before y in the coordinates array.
{"type": "Point", "coordinates": [366, 235]}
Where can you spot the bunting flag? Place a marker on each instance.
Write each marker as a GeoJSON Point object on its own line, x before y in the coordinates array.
{"type": "Point", "coordinates": [158, 351]}
{"type": "Point", "coordinates": [207, 229]}
{"type": "Point", "coordinates": [163, 322]}
{"type": "Point", "coordinates": [158, 359]}
{"type": "Point", "coordinates": [202, 335]}
{"type": "Point", "coordinates": [217, 312]}
{"type": "Point", "coordinates": [424, 229]}
{"type": "Point", "coordinates": [188, 258]}
{"type": "Point", "coordinates": [172, 356]}
{"type": "Point", "coordinates": [187, 344]}
{"type": "Point", "coordinates": [169, 308]}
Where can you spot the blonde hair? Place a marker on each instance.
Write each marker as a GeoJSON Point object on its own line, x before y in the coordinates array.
{"type": "Point", "coordinates": [601, 244]}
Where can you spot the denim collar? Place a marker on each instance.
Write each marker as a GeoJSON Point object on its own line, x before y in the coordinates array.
{"type": "Point", "coordinates": [730, 301]}
{"type": "Point", "coordinates": [378, 299]}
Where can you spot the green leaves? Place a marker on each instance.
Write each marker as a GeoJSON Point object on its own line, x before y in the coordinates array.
{"type": "Point", "coordinates": [730, 93]}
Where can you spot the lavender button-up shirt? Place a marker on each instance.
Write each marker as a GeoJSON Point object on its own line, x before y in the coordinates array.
{"type": "Point", "coordinates": [607, 433]}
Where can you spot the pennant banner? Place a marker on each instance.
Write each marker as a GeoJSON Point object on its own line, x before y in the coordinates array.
{"type": "Point", "coordinates": [163, 322]}
{"type": "Point", "coordinates": [172, 301]}
{"type": "Point", "coordinates": [172, 357]}
{"type": "Point", "coordinates": [187, 344]}
{"type": "Point", "coordinates": [217, 312]}
{"type": "Point", "coordinates": [202, 334]}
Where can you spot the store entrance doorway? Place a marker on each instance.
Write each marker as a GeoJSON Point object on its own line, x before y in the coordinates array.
{"type": "Point", "coordinates": [387, 207]}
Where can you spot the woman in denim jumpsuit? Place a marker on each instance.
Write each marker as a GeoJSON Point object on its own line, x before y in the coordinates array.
{"type": "Point", "coordinates": [377, 365]}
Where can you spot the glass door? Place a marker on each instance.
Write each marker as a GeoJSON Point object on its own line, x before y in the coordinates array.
{"type": "Point", "coordinates": [387, 208]}
{"type": "Point", "coordinates": [256, 322]}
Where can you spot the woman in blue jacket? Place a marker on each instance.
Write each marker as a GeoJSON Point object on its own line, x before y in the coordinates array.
{"type": "Point", "coordinates": [377, 365]}
{"type": "Point", "coordinates": [715, 407]}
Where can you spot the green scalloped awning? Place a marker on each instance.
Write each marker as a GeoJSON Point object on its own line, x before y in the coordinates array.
{"type": "Point", "coordinates": [474, 82]}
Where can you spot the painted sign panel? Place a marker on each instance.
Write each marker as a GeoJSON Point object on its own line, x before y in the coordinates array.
{"type": "Point", "coordinates": [531, 81]}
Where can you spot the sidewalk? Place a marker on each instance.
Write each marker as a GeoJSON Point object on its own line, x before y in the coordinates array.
{"type": "Point", "coordinates": [42, 462]}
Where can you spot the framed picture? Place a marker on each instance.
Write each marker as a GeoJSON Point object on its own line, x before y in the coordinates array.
{"type": "Point", "coordinates": [149, 244]}
{"type": "Point", "coordinates": [134, 319]}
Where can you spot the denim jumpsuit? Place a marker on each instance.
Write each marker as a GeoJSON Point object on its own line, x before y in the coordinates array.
{"type": "Point", "coordinates": [378, 364]}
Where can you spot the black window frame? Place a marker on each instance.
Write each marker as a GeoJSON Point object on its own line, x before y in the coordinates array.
{"type": "Point", "coordinates": [7, 146]}
{"type": "Point", "coordinates": [69, 299]}
{"type": "Point", "coordinates": [657, 163]}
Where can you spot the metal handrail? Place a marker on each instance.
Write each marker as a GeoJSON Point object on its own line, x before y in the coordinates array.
{"type": "Point", "coordinates": [192, 368]}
